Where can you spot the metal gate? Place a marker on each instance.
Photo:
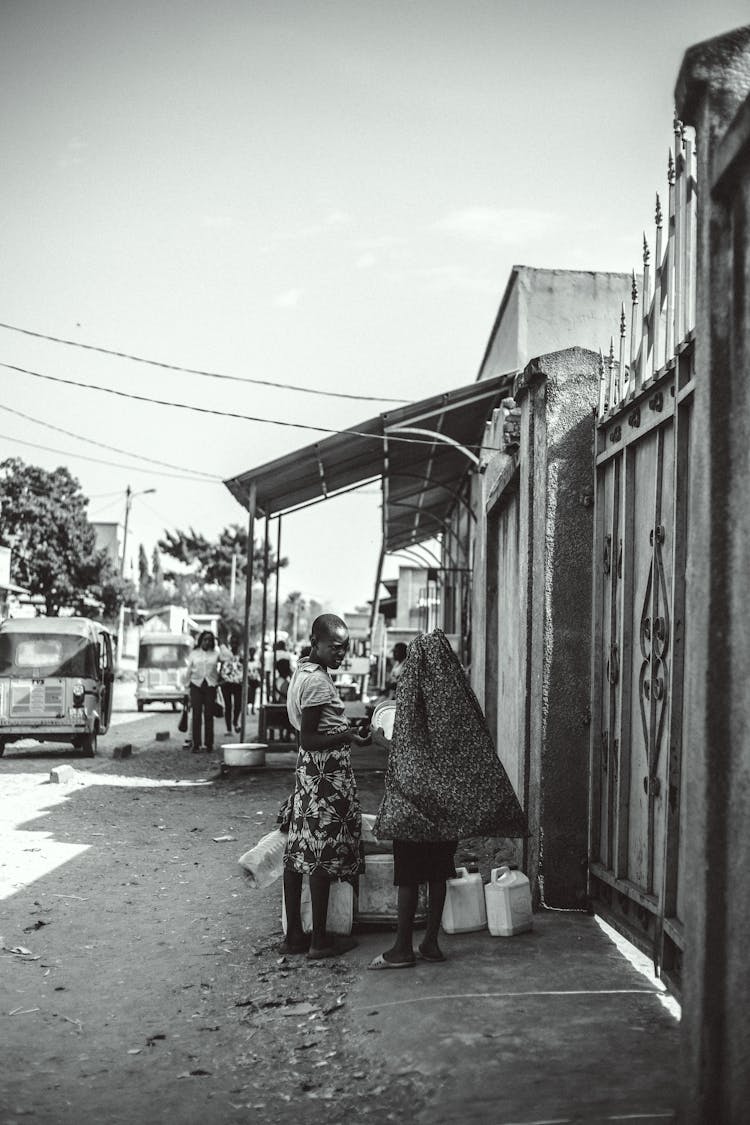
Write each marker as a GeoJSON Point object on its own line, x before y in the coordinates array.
{"type": "Point", "coordinates": [643, 443]}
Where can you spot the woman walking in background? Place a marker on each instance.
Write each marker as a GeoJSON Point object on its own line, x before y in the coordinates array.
{"type": "Point", "coordinates": [203, 680]}
{"type": "Point", "coordinates": [231, 682]}
{"type": "Point", "coordinates": [253, 678]}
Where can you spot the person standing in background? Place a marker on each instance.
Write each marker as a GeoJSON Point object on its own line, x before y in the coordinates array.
{"type": "Point", "coordinates": [203, 680]}
{"type": "Point", "coordinates": [231, 682]}
{"type": "Point", "coordinates": [253, 678]}
{"type": "Point", "coordinates": [397, 667]}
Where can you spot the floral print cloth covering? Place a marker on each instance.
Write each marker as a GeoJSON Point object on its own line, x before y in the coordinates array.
{"type": "Point", "coordinates": [326, 823]}
{"type": "Point", "coordinates": [444, 780]}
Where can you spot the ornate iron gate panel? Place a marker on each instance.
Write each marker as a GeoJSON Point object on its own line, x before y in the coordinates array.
{"type": "Point", "coordinates": [642, 502]}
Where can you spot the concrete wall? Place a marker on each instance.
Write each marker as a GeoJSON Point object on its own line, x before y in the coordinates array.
{"type": "Point", "coordinates": [547, 310]}
{"type": "Point", "coordinates": [712, 94]}
{"type": "Point", "coordinates": [531, 610]}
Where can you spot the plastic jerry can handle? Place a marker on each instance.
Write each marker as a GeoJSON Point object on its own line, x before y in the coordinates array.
{"type": "Point", "coordinates": [499, 873]}
{"type": "Point", "coordinates": [461, 872]}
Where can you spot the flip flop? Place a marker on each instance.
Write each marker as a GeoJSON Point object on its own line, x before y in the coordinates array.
{"type": "Point", "coordinates": [427, 957]}
{"type": "Point", "coordinates": [380, 962]}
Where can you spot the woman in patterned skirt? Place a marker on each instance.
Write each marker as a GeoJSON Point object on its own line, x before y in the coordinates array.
{"type": "Point", "coordinates": [324, 834]}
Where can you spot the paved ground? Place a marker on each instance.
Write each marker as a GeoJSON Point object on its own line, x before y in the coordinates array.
{"type": "Point", "coordinates": [150, 988]}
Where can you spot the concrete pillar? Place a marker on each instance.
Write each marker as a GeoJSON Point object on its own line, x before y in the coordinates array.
{"type": "Point", "coordinates": [533, 611]}
{"type": "Point", "coordinates": [711, 95]}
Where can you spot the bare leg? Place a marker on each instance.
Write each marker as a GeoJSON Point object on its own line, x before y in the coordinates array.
{"type": "Point", "coordinates": [429, 947]}
{"type": "Point", "coordinates": [296, 939]}
{"type": "Point", "coordinates": [402, 950]}
{"type": "Point", "coordinates": [320, 888]}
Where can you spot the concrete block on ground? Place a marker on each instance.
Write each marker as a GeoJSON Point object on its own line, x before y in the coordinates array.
{"type": "Point", "coordinates": [162, 736]}
{"type": "Point", "coordinates": [61, 774]}
{"type": "Point", "coordinates": [124, 750]}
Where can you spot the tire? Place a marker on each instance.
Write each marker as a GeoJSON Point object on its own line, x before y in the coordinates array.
{"type": "Point", "coordinates": [88, 745]}
{"type": "Point", "coordinates": [139, 704]}
{"type": "Point", "coordinates": [2, 748]}
{"type": "Point", "coordinates": [174, 705]}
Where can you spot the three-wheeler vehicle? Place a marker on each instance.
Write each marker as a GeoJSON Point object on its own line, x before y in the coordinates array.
{"type": "Point", "coordinates": [162, 668]}
{"type": "Point", "coordinates": [56, 681]}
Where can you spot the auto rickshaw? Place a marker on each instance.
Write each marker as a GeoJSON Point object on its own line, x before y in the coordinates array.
{"type": "Point", "coordinates": [162, 664]}
{"type": "Point", "coordinates": [56, 681]}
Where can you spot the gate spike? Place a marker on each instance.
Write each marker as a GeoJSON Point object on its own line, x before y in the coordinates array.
{"type": "Point", "coordinates": [622, 319]}
{"type": "Point", "coordinates": [634, 290]}
{"type": "Point", "coordinates": [646, 251]}
{"type": "Point", "coordinates": [603, 401]}
{"type": "Point", "coordinates": [670, 169]}
{"type": "Point", "coordinates": [658, 215]}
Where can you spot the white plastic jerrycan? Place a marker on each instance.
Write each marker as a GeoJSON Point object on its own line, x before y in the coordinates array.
{"type": "Point", "coordinates": [464, 908]}
{"type": "Point", "coordinates": [508, 898]}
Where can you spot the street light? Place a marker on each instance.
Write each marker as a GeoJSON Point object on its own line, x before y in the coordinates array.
{"type": "Point", "coordinates": [128, 500]}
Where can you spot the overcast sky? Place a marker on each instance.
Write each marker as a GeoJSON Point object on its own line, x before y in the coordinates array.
{"type": "Point", "coordinates": [329, 194]}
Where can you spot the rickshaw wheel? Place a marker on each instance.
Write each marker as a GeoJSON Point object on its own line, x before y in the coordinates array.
{"type": "Point", "coordinates": [2, 748]}
{"type": "Point", "coordinates": [139, 704]}
{"type": "Point", "coordinates": [88, 745]}
{"type": "Point", "coordinates": [174, 705]}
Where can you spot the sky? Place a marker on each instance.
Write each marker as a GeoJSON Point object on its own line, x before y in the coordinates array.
{"type": "Point", "coordinates": [317, 193]}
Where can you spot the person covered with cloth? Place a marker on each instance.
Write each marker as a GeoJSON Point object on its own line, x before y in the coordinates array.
{"type": "Point", "coordinates": [323, 841]}
{"type": "Point", "coordinates": [443, 783]}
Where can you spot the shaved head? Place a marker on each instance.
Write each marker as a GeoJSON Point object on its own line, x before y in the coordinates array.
{"type": "Point", "coordinates": [326, 626]}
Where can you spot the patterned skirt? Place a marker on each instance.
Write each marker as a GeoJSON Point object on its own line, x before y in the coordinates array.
{"type": "Point", "coordinates": [326, 823]}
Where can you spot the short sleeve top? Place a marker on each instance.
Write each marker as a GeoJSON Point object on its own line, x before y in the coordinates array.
{"type": "Point", "coordinates": [312, 686]}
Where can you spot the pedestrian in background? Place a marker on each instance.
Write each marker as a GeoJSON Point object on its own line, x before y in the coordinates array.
{"type": "Point", "coordinates": [283, 678]}
{"type": "Point", "coordinates": [230, 671]}
{"type": "Point", "coordinates": [253, 678]}
{"type": "Point", "coordinates": [203, 680]}
{"type": "Point", "coordinates": [397, 667]}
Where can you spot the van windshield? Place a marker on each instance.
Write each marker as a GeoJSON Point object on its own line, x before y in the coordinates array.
{"type": "Point", "coordinates": [163, 656]}
{"type": "Point", "coordinates": [47, 654]}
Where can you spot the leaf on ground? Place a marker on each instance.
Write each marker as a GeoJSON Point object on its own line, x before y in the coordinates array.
{"type": "Point", "coordinates": [298, 1008]}
{"type": "Point", "coordinates": [224, 839]}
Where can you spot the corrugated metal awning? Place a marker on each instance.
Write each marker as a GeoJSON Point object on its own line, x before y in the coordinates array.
{"type": "Point", "coordinates": [421, 473]}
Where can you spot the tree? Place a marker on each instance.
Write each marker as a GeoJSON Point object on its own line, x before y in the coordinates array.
{"type": "Point", "coordinates": [44, 522]}
{"type": "Point", "coordinates": [212, 561]}
{"type": "Point", "coordinates": [156, 569]}
{"type": "Point", "coordinates": [144, 577]}
{"type": "Point", "coordinates": [116, 591]}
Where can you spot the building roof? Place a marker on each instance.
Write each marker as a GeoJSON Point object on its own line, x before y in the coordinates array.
{"type": "Point", "coordinates": [77, 626]}
{"type": "Point", "coordinates": [420, 474]}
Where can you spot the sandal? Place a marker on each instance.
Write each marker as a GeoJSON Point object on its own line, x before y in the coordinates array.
{"type": "Point", "coordinates": [380, 962]}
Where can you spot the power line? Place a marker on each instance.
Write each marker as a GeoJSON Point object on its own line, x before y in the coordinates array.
{"type": "Point", "coordinates": [109, 448]}
{"type": "Point", "coordinates": [198, 371]}
{"type": "Point", "coordinates": [391, 437]}
{"type": "Point", "coordinates": [101, 461]}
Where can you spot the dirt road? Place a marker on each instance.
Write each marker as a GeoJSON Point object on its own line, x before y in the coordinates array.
{"type": "Point", "coordinates": [139, 976]}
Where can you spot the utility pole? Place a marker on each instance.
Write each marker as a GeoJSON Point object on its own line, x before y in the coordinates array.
{"type": "Point", "coordinates": [128, 497]}
{"type": "Point", "coordinates": [233, 579]}
{"type": "Point", "coordinates": [129, 494]}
